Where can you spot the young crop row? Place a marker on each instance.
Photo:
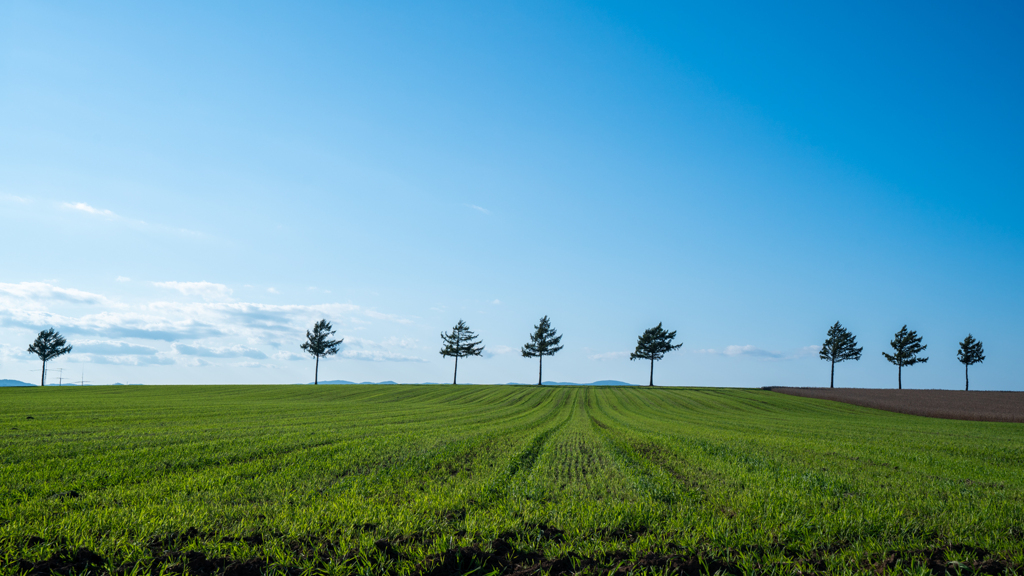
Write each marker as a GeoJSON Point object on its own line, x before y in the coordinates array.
{"type": "Point", "coordinates": [433, 479]}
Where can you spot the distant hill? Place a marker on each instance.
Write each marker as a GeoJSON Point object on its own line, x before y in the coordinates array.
{"type": "Point", "coordinates": [13, 383]}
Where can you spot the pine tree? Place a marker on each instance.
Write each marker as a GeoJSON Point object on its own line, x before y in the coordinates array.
{"type": "Point", "coordinates": [318, 344]}
{"type": "Point", "coordinates": [906, 346]}
{"type": "Point", "coordinates": [841, 345]}
{"type": "Point", "coordinates": [49, 344]}
{"type": "Point", "coordinates": [970, 352]}
{"type": "Point", "coordinates": [652, 345]}
{"type": "Point", "coordinates": [543, 342]}
{"type": "Point", "coordinates": [460, 343]}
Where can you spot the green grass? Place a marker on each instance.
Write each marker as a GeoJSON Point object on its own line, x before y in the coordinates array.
{"type": "Point", "coordinates": [414, 479]}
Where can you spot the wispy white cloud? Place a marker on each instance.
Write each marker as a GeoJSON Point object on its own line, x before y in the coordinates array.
{"type": "Point", "coordinates": [83, 207]}
{"type": "Point", "coordinates": [175, 321]}
{"type": "Point", "coordinates": [123, 279]}
{"type": "Point", "coordinates": [224, 352]}
{"type": "Point", "coordinates": [8, 352]}
{"type": "Point", "coordinates": [362, 349]}
{"type": "Point", "coordinates": [396, 342]}
{"type": "Point", "coordinates": [12, 198]}
{"type": "Point", "coordinates": [139, 224]}
{"type": "Point", "coordinates": [746, 350]}
{"type": "Point", "coordinates": [478, 208]}
{"type": "Point", "coordinates": [111, 348]}
{"type": "Point", "coordinates": [273, 290]}
{"type": "Point", "coordinates": [157, 360]}
{"type": "Point", "coordinates": [389, 317]}
{"type": "Point", "coordinates": [492, 351]}
{"type": "Point", "coordinates": [808, 351]}
{"type": "Point", "coordinates": [379, 356]}
{"type": "Point", "coordinates": [110, 324]}
{"type": "Point", "coordinates": [749, 350]}
{"type": "Point", "coordinates": [195, 333]}
{"type": "Point", "coordinates": [496, 302]}
{"type": "Point", "coordinates": [43, 291]}
{"type": "Point", "coordinates": [204, 290]}
{"type": "Point", "coordinates": [115, 352]}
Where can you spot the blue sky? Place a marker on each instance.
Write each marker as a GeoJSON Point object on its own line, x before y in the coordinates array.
{"type": "Point", "coordinates": [185, 189]}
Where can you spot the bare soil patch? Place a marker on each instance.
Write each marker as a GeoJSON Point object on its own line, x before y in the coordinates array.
{"type": "Point", "coordinates": [953, 404]}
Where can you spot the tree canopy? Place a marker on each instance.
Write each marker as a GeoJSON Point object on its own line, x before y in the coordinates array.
{"type": "Point", "coordinates": [906, 346]}
{"type": "Point", "coordinates": [544, 341]}
{"type": "Point", "coordinates": [318, 344]}
{"type": "Point", "coordinates": [460, 343]}
{"type": "Point", "coordinates": [49, 344]}
{"type": "Point", "coordinates": [652, 345]}
{"type": "Point", "coordinates": [840, 345]}
{"type": "Point", "coordinates": [970, 352]}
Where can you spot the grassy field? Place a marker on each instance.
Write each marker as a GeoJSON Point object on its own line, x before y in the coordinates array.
{"type": "Point", "coordinates": [513, 480]}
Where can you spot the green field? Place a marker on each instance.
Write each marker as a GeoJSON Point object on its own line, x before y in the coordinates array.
{"type": "Point", "coordinates": [497, 479]}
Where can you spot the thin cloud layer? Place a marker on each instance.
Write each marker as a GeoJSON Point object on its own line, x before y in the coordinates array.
{"type": "Point", "coordinates": [492, 351]}
{"type": "Point", "coordinates": [204, 290]}
{"type": "Point", "coordinates": [226, 352]}
{"type": "Point", "coordinates": [385, 351]}
{"type": "Point", "coordinates": [83, 207]}
{"type": "Point", "coordinates": [42, 291]}
{"type": "Point", "coordinates": [751, 351]}
{"type": "Point", "coordinates": [195, 333]}
{"type": "Point", "coordinates": [111, 348]}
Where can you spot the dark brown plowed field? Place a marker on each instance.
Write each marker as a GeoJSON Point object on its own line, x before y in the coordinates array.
{"type": "Point", "coordinates": [955, 404]}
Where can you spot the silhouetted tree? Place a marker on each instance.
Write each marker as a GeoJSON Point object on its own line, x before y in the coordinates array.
{"type": "Point", "coordinates": [906, 346]}
{"type": "Point", "coordinates": [839, 346]}
{"type": "Point", "coordinates": [49, 344]}
{"type": "Point", "coordinates": [652, 345]}
{"type": "Point", "coordinates": [319, 344]}
{"type": "Point", "coordinates": [543, 342]}
{"type": "Point", "coordinates": [461, 342]}
{"type": "Point", "coordinates": [970, 352]}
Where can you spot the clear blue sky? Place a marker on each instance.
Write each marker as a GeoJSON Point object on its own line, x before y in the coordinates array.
{"type": "Point", "coordinates": [185, 189]}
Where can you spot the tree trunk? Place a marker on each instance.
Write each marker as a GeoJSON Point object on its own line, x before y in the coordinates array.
{"type": "Point", "coordinates": [316, 373]}
{"type": "Point", "coordinates": [540, 372]}
{"type": "Point", "coordinates": [832, 382]}
{"type": "Point", "coordinates": [42, 380]}
{"type": "Point", "coordinates": [967, 379]}
{"type": "Point", "coordinates": [455, 377]}
{"type": "Point", "coordinates": [652, 372]}
{"type": "Point", "coordinates": [899, 375]}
